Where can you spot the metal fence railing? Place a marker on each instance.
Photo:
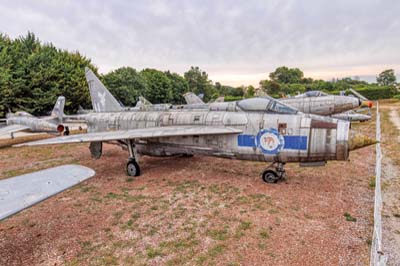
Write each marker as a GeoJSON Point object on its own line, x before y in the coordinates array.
{"type": "Point", "coordinates": [378, 258]}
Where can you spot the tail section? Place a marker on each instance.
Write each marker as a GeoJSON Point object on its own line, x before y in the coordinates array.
{"type": "Point", "coordinates": [192, 98]}
{"type": "Point", "coordinates": [58, 110]}
{"type": "Point", "coordinates": [102, 99]}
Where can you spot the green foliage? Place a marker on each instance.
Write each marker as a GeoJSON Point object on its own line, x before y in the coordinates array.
{"type": "Point", "coordinates": [349, 218]}
{"type": "Point", "coordinates": [199, 83]}
{"type": "Point", "coordinates": [250, 91]}
{"type": "Point", "coordinates": [126, 84]}
{"type": "Point", "coordinates": [33, 75]}
{"type": "Point", "coordinates": [374, 92]}
{"type": "Point", "coordinates": [284, 74]}
{"type": "Point", "coordinates": [270, 87]}
{"type": "Point", "coordinates": [230, 98]}
{"type": "Point", "coordinates": [386, 78]}
{"type": "Point", "coordinates": [159, 86]}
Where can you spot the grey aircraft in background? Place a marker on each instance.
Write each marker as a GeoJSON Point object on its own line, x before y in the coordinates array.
{"type": "Point", "coordinates": [321, 104]}
{"type": "Point", "coordinates": [23, 121]}
{"type": "Point", "coordinates": [257, 129]}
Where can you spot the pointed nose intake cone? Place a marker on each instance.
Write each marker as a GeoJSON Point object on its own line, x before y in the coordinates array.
{"type": "Point", "coordinates": [357, 141]}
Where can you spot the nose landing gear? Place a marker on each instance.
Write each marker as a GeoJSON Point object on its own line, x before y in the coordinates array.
{"type": "Point", "coordinates": [273, 176]}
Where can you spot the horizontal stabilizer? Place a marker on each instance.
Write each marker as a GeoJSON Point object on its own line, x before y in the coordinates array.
{"type": "Point", "coordinates": [143, 133]}
{"type": "Point", "coordinates": [20, 192]}
{"type": "Point", "coordinates": [7, 130]}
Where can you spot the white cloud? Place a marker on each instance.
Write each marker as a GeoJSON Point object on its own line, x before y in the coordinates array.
{"type": "Point", "coordinates": [234, 41]}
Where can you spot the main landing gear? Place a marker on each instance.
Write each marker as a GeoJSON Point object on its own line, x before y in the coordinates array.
{"type": "Point", "coordinates": [132, 167]}
{"type": "Point", "coordinates": [273, 176]}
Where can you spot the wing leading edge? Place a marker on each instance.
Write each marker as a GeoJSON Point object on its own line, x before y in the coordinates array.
{"type": "Point", "coordinates": [20, 192]}
{"type": "Point", "coordinates": [7, 130]}
{"type": "Point", "coordinates": [156, 132]}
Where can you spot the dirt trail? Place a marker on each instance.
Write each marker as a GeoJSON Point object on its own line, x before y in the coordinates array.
{"type": "Point", "coordinates": [391, 200]}
{"type": "Point", "coordinates": [395, 118]}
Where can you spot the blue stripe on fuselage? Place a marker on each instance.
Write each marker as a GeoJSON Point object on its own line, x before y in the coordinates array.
{"type": "Point", "coordinates": [295, 142]}
{"type": "Point", "coordinates": [291, 142]}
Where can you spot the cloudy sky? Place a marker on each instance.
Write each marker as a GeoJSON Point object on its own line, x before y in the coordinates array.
{"type": "Point", "coordinates": [236, 42]}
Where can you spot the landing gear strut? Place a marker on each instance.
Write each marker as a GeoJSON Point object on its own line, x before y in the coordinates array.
{"type": "Point", "coordinates": [132, 167]}
{"type": "Point", "coordinates": [273, 176]}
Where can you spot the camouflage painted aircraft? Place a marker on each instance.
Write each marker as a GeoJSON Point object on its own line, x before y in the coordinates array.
{"type": "Point", "coordinates": [23, 121]}
{"type": "Point", "coordinates": [257, 129]}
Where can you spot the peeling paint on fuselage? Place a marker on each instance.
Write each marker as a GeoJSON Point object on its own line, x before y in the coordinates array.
{"type": "Point", "coordinates": [321, 143]}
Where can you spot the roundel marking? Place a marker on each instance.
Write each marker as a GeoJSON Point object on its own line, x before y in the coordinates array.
{"type": "Point", "coordinates": [270, 141]}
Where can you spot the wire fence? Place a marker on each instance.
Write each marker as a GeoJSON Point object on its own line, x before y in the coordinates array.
{"type": "Point", "coordinates": [378, 258]}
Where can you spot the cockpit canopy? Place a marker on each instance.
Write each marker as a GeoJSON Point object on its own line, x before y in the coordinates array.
{"type": "Point", "coordinates": [311, 94]}
{"type": "Point", "coordinates": [265, 104]}
{"type": "Point", "coordinates": [22, 113]}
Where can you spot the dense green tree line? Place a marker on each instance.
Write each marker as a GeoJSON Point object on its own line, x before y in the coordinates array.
{"type": "Point", "coordinates": [33, 75]}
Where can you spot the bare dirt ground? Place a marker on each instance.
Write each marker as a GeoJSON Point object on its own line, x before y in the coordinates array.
{"type": "Point", "coordinates": [391, 182]}
{"type": "Point", "coordinates": [192, 211]}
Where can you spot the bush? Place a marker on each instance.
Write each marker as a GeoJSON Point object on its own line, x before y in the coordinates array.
{"type": "Point", "coordinates": [373, 92]}
{"type": "Point", "coordinates": [230, 98]}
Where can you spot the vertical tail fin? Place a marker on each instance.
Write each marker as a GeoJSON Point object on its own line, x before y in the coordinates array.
{"type": "Point", "coordinates": [192, 98]}
{"type": "Point", "coordinates": [102, 99]}
{"type": "Point", "coordinates": [58, 110]}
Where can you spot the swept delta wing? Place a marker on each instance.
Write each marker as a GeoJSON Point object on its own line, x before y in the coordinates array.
{"type": "Point", "coordinates": [20, 192]}
{"type": "Point", "coordinates": [157, 132]}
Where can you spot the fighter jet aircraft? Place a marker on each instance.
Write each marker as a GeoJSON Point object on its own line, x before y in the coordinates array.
{"type": "Point", "coordinates": [326, 104]}
{"type": "Point", "coordinates": [352, 116]}
{"type": "Point", "coordinates": [321, 105]}
{"type": "Point", "coordinates": [257, 129]}
{"type": "Point", "coordinates": [23, 121]}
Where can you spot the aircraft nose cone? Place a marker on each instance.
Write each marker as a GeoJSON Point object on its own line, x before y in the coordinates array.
{"type": "Point", "coordinates": [357, 141]}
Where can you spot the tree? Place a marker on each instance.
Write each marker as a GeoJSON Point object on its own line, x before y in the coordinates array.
{"type": "Point", "coordinates": [284, 74]}
{"type": "Point", "coordinates": [159, 87]}
{"type": "Point", "coordinates": [199, 83]}
{"type": "Point", "coordinates": [33, 75]}
{"type": "Point", "coordinates": [250, 91]}
{"type": "Point", "coordinates": [179, 87]}
{"type": "Point", "coordinates": [270, 87]}
{"type": "Point", "coordinates": [386, 78]}
{"type": "Point", "coordinates": [126, 84]}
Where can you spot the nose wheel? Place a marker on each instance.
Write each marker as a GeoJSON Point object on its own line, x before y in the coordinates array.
{"type": "Point", "coordinates": [271, 175]}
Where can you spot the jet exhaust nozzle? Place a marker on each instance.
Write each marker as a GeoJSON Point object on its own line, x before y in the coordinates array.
{"type": "Point", "coordinates": [358, 141]}
{"type": "Point", "coordinates": [60, 128]}
{"type": "Point", "coordinates": [368, 104]}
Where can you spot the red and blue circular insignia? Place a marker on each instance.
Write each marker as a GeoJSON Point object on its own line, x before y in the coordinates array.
{"type": "Point", "coordinates": [269, 141]}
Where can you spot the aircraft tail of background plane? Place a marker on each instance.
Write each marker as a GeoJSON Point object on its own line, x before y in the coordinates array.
{"type": "Point", "coordinates": [102, 99]}
{"type": "Point", "coordinates": [58, 110]}
{"type": "Point", "coordinates": [192, 98]}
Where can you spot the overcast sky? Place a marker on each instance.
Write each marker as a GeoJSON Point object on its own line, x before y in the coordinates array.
{"type": "Point", "coordinates": [236, 42]}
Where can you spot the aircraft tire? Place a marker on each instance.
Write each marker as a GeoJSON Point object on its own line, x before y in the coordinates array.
{"type": "Point", "coordinates": [132, 168]}
{"type": "Point", "coordinates": [270, 176]}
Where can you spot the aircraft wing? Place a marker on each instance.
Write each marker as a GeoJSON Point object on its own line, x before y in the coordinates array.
{"type": "Point", "coordinates": [7, 130]}
{"type": "Point", "coordinates": [143, 133]}
{"type": "Point", "coordinates": [20, 192]}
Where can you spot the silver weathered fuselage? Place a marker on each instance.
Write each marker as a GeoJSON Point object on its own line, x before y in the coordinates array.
{"type": "Point", "coordinates": [35, 124]}
{"type": "Point", "coordinates": [300, 137]}
{"type": "Point", "coordinates": [323, 105]}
